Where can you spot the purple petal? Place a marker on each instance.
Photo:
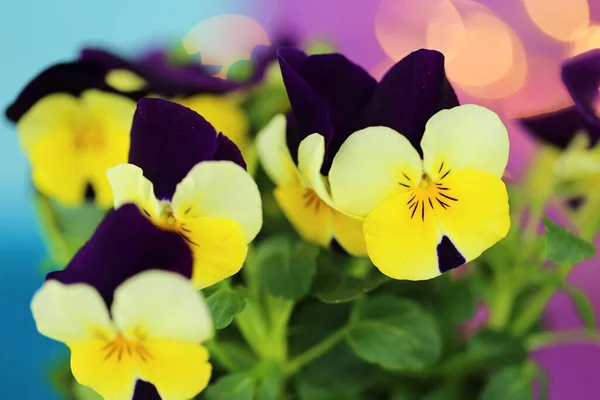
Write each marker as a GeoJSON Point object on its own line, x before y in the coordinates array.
{"type": "Point", "coordinates": [559, 127]}
{"type": "Point", "coordinates": [581, 76]}
{"type": "Point", "coordinates": [229, 151]}
{"type": "Point", "coordinates": [410, 93]}
{"type": "Point", "coordinates": [125, 244]}
{"type": "Point", "coordinates": [71, 78]}
{"type": "Point", "coordinates": [167, 140]}
{"type": "Point", "coordinates": [164, 77]}
{"type": "Point", "coordinates": [328, 94]}
{"type": "Point", "coordinates": [145, 391]}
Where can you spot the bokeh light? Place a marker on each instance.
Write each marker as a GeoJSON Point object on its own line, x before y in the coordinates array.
{"type": "Point", "coordinates": [543, 90]}
{"type": "Point", "coordinates": [587, 40]}
{"type": "Point", "coordinates": [224, 39]}
{"type": "Point", "coordinates": [400, 33]}
{"type": "Point", "coordinates": [560, 19]}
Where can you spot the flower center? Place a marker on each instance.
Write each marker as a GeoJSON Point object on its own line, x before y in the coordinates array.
{"type": "Point", "coordinates": [428, 194]}
{"type": "Point", "coordinates": [313, 201]}
{"type": "Point", "coordinates": [167, 216]}
{"type": "Point", "coordinates": [121, 347]}
{"type": "Point", "coordinates": [87, 139]}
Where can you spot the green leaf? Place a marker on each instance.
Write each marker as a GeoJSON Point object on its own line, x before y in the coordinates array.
{"type": "Point", "coordinates": [510, 383]}
{"type": "Point", "coordinates": [564, 247]}
{"type": "Point", "coordinates": [394, 333]}
{"type": "Point", "coordinates": [459, 302]}
{"type": "Point", "coordinates": [583, 305]}
{"type": "Point", "coordinates": [225, 304]}
{"type": "Point", "coordinates": [496, 349]}
{"type": "Point", "coordinates": [286, 269]}
{"type": "Point", "coordinates": [333, 283]}
{"type": "Point", "coordinates": [238, 386]}
{"type": "Point", "coordinates": [319, 390]}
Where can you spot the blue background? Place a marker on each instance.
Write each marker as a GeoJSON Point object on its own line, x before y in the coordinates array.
{"type": "Point", "coordinates": [33, 35]}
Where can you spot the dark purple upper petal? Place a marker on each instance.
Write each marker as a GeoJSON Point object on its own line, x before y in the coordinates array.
{"type": "Point", "coordinates": [559, 127]}
{"type": "Point", "coordinates": [125, 244]}
{"type": "Point", "coordinates": [164, 77]}
{"type": "Point", "coordinates": [168, 139]}
{"type": "Point", "coordinates": [228, 150]}
{"type": "Point", "coordinates": [410, 93]}
{"type": "Point", "coordinates": [72, 78]}
{"type": "Point", "coordinates": [327, 93]}
{"type": "Point", "coordinates": [581, 76]}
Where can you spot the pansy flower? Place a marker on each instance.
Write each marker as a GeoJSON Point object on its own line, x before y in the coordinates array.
{"type": "Point", "coordinates": [331, 98]}
{"type": "Point", "coordinates": [128, 312]}
{"type": "Point", "coordinates": [581, 76]}
{"type": "Point", "coordinates": [186, 178]}
{"type": "Point", "coordinates": [72, 127]}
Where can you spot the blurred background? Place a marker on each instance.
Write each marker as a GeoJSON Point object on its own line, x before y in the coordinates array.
{"type": "Point", "coordinates": [505, 55]}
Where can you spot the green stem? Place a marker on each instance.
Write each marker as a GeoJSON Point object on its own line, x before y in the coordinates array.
{"type": "Point", "coordinates": [532, 311]}
{"type": "Point", "coordinates": [219, 356]}
{"type": "Point", "coordinates": [316, 351]}
{"type": "Point", "coordinates": [501, 306]}
{"type": "Point", "coordinates": [544, 339]}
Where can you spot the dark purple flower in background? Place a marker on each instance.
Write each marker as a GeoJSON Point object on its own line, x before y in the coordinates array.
{"type": "Point", "coordinates": [581, 76]}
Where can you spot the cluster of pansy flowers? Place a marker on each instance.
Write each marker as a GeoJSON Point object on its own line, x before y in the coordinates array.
{"type": "Point", "coordinates": [396, 170]}
{"type": "Point", "coordinates": [185, 211]}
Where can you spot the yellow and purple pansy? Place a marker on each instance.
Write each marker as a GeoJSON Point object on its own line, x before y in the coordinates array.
{"type": "Point", "coordinates": [581, 76]}
{"type": "Point", "coordinates": [187, 178]}
{"type": "Point", "coordinates": [331, 98]}
{"type": "Point", "coordinates": [417, 177]}
{"type": "Point", "coordinates": [72, 127]}
{"type": "Point", "coordinates": [149, 345]}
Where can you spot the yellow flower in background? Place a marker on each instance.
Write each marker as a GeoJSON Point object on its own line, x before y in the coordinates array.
{"type": "Point", "coordinates": [153, 332]}
{"type": "Point", "coordinates": [426, 216]}
{"type": "Point", "coordinates": [301, 192]}
{"type": "Point", "coordinates": [71, 141]}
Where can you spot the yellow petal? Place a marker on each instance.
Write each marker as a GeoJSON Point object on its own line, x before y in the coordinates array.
{"type": "Point", "coordinates": [274, 154]}
{"type": "Point", "coordinates": [129, 185]}
{"type": "Point", "coordinates": [179, 370]}
{"type": "Point", "coordinates": [465, 137]}
{"type": "Point", "coordinates": [311, 153]}
{"type": "Point", "coordinates": [218, 246]}
{"type": "Point", "coordinates": [219, 189]}
{"type": "Point", "coordinates": [348, 232]}
{"type": "Point", "coordinates": [309, 215]}
{"type": "Point", "coordinates": [45, 134]}
{"type": "Point", "coordinates": [69, 312]}
{"type": "Point", "coordinates": [112, 377]}
{"type": "Point", "coordinates": [372, 165]}
{"type": "Point", "coordinates": [480, 216]}
{"type": "Point", "coordinates": [162, 305]}
{"type": "Point", "coordinates": [402, 244]}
